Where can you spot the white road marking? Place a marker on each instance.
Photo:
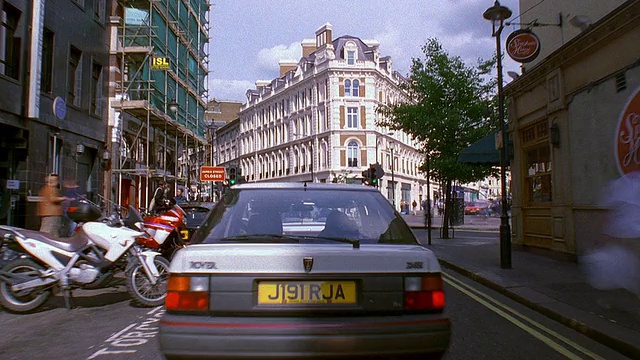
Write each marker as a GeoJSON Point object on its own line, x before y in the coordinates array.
{"type": "Point", "coordinates": [133, 335]}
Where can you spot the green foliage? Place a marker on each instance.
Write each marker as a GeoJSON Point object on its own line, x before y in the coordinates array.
{"type": "Point", "coordinates": [448, 107]}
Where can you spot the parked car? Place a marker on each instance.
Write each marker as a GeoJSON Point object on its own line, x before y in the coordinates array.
{"type": "Point", "coordinates": [477, 207]}
{"type": "Point", "coordinates": [298, 270]}
{"type": "Point", "coordinates": [195, 212]}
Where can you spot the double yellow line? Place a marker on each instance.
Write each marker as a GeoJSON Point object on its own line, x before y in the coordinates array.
{"type": "Point", "coordinates": [525, 323]}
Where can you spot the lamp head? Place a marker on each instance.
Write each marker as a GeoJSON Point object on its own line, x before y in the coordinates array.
{"type": "Point", "coordinates": [497, 14]}
{"type": "Point", "coordinates": [173, 106]}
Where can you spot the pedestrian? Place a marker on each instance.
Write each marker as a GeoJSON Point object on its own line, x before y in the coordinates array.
{"type": "Point", "coordinates": [180, 198]}
{"type": "Point", "coordinates": [72, 192]}
{"type": "Point", "coordinates": [414, 204]}
{"type": "Point", "coordinates": [50, 207]}
{"type": "Point", "coordinates": [162, 199]}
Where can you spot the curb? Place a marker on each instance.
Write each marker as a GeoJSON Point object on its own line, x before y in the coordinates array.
{"type": "Point", "coordinates": [621, 346]}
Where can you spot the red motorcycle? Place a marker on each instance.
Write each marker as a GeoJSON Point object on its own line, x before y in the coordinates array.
{"type": "Point", "coordinates": [167, 231]}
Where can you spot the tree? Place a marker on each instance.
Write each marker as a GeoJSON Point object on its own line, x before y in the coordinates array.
{"type": "Point", "coordinates": [448, 106]}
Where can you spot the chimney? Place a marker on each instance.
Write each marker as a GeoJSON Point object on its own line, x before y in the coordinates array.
{"type": "Point", "coordinates": [287, 65]}
{"type": "Point", "coordinates": [323, 35]}
{"type": "Point", "coordinates": [308, 46]}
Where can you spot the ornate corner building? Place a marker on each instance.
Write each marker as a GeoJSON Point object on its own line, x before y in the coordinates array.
{"type": "Point", "coordinates": [317, 121]}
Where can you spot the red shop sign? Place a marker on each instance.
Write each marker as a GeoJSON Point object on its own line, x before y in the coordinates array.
{"type": "Point", "coordinates": [523, 46]}
{"type": "Point", "coordinates": [627, 139]}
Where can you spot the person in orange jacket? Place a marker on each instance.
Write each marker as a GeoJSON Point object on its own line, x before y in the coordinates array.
{"type": "Point", "coordinates": [50, 207]}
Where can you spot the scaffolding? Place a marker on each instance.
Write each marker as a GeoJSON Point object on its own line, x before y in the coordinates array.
{"type": "Point", "coordinates": [161, 97]}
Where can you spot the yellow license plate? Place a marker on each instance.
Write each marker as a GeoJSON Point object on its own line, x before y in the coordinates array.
{"type": "Point", "coordinates": [184, 234]}
{"type": "Point", "coordinates": [306, 292]}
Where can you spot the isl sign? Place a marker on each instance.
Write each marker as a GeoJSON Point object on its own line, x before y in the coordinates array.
{"type": "Point", "coordinates": [212, 173]}
{"type": "Point", "coordinates": [627, 142]}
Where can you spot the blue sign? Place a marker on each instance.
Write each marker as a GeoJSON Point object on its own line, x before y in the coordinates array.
{"type": "Point", "coordinates": [59, 108]}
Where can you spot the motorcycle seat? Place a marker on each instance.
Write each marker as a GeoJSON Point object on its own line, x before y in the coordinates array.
{"type": "Point", "coordinates": [70, 244]}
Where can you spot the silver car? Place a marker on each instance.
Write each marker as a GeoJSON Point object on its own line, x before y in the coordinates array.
{"type": "Point", "coordinates": [297, 270]}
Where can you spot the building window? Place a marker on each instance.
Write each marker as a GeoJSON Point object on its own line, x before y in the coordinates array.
{"type": "Point", "coordinates": [47, 61]}
{"type": "Point", "coordinates": [9, 44]}
{"type": "Point", "coordinates": [538, 178]}
{"type": "Point", "coordinates": [74, 74]}
{"type": "Point", "coordinates": [96, 89]}
{"type": "Point", "coordinates": [351, 57]}
{"type": "Point", "coordinates": [352, 154]}
{"type": "Point", "coordinates": [99, 10]}
{"type": "Point", "coordinates": [352, 117]}
{"type": "Point", "coordinates": [348, 90]}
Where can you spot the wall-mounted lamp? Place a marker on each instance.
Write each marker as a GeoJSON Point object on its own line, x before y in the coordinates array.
{"type": "Point", "coordinates": [173, 106]}
{"type": "Point", "coordinates": [106, 160]}
{"type": "Point", "coordinates": [554, 135]}
{"type": "Point", "coordinates": [79, 149]}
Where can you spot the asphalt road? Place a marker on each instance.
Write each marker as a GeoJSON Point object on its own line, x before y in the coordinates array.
{"type": "Point", "coordinates": [486, 325]}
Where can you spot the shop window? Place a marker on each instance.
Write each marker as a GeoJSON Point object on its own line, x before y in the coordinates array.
{"type": "Point", "coordinates": [538, 184]}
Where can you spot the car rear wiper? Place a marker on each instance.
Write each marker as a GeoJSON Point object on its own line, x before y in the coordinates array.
{"type": "Point", "coordinates": [355, 243]}
{"type": "Point", "coordinates": [262, 238]}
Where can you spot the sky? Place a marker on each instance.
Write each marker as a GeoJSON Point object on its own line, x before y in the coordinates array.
{"type": "Point", "coordinates": [250, 37]}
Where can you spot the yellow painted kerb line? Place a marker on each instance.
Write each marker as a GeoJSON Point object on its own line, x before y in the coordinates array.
{"type": "Point", "coordinates": [477, 295]}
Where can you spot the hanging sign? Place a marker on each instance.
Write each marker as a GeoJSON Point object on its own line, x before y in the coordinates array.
{"type": "Point", "coordinates": [523, 46]}
{"type": "Point", "coordinates": [160, 63]}
{"type": "Point", "coordinates": [627, 141]}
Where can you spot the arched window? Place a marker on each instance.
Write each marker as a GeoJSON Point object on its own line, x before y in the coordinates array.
{"type": "Point", "coordinates": [352, 154]}
{"type": "Point", "coordinates": [356, 88]}
{"type": "Point", "coordinates": [347, 87]}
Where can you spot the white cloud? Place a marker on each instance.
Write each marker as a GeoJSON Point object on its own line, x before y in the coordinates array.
{"type": "Point", "coordinates": [233, 90]}
{"type": "Point", "coordinates": [268, 58]}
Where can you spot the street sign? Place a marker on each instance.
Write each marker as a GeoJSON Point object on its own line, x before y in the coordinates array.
{"type": "Point", "coordinates": [212, 173]}
{"type": "Point", "coordinates": [13, 184]}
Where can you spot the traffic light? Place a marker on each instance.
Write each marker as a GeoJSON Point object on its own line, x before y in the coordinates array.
{"type": "Point", "coordinates": [369, 176]}
{"type": "Point", "coordinates": [233, 175]}
{"type": "Point", "coordinates": [373, 177]}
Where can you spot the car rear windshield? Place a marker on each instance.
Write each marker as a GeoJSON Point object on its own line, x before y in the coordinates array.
{"type": "Point", "coordinates": [304, 215]}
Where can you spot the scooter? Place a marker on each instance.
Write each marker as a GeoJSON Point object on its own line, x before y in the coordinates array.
{"type": "Point", "coordinates": [87, 260]}
{"type": "Point", "coordinates": [165, 231]}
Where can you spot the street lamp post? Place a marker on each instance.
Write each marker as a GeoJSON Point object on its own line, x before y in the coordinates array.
{"type": "Point", "coordinates": [393, 180]}
{"type": "Point", "coordinates": [497, 14]}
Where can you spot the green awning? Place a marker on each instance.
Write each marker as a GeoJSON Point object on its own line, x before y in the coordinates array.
{"type": "Point", "coordinates": [482, 151]}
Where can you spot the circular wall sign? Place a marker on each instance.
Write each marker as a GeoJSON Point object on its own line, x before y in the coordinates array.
{"type": "Point", "coordinates": [59, 108]}
{"type": "Point", "coordinates": [627, 141]}
{"type": "Point", "coordinates": [523, 46]}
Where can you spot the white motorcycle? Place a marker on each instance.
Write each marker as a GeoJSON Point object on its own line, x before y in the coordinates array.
{"type": "Point", "coordinates": [87, 260]}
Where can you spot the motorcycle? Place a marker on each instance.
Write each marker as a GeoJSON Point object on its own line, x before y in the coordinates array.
{"type": "Point", "coordinates": [165, 231]}
{"type": "Point", "coordinates": [87, 260]}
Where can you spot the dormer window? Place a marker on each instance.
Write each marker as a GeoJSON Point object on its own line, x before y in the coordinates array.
{"type": "Point", "coordinates": [351, 52]}
{"type": "Point", "coordinates": [351, 57]}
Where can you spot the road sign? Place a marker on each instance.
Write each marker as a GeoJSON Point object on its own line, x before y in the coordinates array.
{"type": "Point", "coordinates": [212, 173]}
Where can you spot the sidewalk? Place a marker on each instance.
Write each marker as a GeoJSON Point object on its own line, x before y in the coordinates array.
{"type": "Point", "coordinates": [475, 222]}
{"type": "Point", "coordinates": [552, 287]}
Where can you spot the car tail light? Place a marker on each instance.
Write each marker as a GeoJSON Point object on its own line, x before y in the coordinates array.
{"type": "Point", "coordinates": [424, 293]}
{"type": "Point", "coordinates": [187, 293]}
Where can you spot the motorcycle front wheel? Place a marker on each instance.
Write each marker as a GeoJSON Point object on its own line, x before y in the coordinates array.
{"type": "Point", "coordinates": [141, 289]}
{"type": "Point", "coordinates": [27, 300]}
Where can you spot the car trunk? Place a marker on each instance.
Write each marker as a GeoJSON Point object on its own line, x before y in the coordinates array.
{"type": "Point", "coordinates": [295, 279]}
